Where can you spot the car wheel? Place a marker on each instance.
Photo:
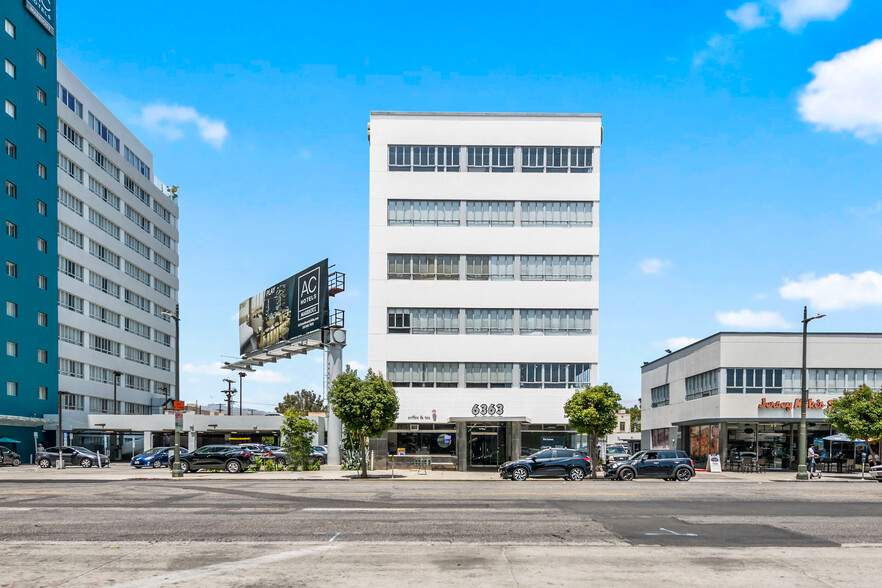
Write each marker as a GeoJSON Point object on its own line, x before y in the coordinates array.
{"type": "Point", "coordinates": [519, 474]}
{"type": "Point", "coordinates": [683, 475]}
{"type": "Point", "coordinates": [626, 474]}
{"type": "Point", "coordinates": [157, 463]}
{"type": "Point", "coordinates": [185, 467]}
{"type": "Point", "coordinates": [577, 474]}
{"type": "Point", "coordinates": [16, 462]}
{"type": "Point", "coordinates": [85, 462]}
{"type": "Point", "coordinates": [281, 462]}
{"type": "Point", "coordinates": [234, 467]}
{"type": "Point", "coordinates": [44, 463]}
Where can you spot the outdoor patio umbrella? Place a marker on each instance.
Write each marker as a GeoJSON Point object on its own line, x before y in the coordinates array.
{"type": "Point", "coordinates": [8, 440]}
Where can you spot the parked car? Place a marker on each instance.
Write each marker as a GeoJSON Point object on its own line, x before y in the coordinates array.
{"type": "Point", "coordinates": [876, 472]}
{"type": "Point", "coordinates": [158, 457]}
{"type": "Point", "coordinates": [257, 450]}
{"type": "Point", "coordinates": [617, 453]}
{"type": "Point", "coordinates": [72, 455]}
{"type": "Point", "coordinates": [9, 457]}
{"type": "Point", "coordinates": [278, 454]}
{"type": "Point", "coordinates": [662, 463]}
{"type": "Point", "coordinates": [548, 463]}
{"type": "Point", "coordinates": [217, 457]}
{"type": "Point", "coordinates": [319, 453]}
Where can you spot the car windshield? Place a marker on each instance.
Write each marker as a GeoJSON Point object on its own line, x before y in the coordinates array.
{"type": "Point", "coordinates": [154, 451]}
{"type": "Point", "coordinates": [81, 449]}
{"type": "Point", "coordinates": [616, 451]}
{"type": "Point", "coordinates": [638, 455]}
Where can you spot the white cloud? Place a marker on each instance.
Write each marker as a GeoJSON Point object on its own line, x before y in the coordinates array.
{"type": "Point", "coordinates": [358, 366]}
{"type": "Point", "coordinates": [167, 120]}
{"type": "Point", "coordinates": [204, 369]}
{"type": "Point", "coordinates": [675, 343]}
{"type": "Point", "coordinates": [267, 376]}
{"type": "Point", "coordinates": [262, 375]}
{"type": "Point", "coordinates": [719, 48]}
{"type": "Point", "coordinates": [748, 319]}
{"type": "Point", "coordinates": [836, 291]}
{"type": "Point", "coordinates": [795, 14]}
{"type": "Point", "coordinates": [846, 94]}
{"type": "Point", "coordinates": [654, 266]}
{"type": "Point", "coordinates": [748, 16]}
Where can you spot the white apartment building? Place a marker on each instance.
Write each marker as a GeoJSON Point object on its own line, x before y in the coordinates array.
{"type": "Point", "coordinates": [483, 278]}
{"type": "Point", "coordinates": [117, 264]}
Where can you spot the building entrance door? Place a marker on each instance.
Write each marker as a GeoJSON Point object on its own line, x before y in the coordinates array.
{"type": "Point", "coordinates": [486, 445]}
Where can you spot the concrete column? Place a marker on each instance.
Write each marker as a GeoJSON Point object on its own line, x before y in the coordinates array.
{"type": "Point", "coordinates": [335, 427]}
{"type": "Point", "coordinates": [462, 454]}
{"type": "Point", "coordinates": [514, 451]}
{"type": "Point", "coordinates": [724, 442]}
{"type": "Point", "coordinates": [148, 441]}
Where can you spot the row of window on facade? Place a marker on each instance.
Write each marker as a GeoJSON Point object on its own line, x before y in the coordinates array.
{"type": "Point", "coordinates": [447, 158]}
{"type": "Point", "coordinates": [489, 267]}
{"type": "Point", "coordinates": [76, 271]}
{"type": "Point", "coordinates": [486, 321]}
{"type": "Point", "coordinates": [13, 389]}
{"type": "Point", "coordinates": [101, 375]}
{"type": "Point", "coordinates": [97, 405]}
{"type": "Point", "coordinates": [488, 375]}
{"type": "Point", "coordinates": [771, 381]}
{"type": "Point", "coordinates": [12, 351]}
{"type": "Point", "coordinates": [487, 213]}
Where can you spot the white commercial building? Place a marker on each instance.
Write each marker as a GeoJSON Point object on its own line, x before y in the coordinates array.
{"type": "Point", "coordinates": [117, 264]}
{"type": "Point", "coordinates": [483, 277]}
{"type": "Point", "coordinates": [740, 393]}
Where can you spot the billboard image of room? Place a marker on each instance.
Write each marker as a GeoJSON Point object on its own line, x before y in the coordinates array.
{"type": "Point", "coordinates": [292, 308]}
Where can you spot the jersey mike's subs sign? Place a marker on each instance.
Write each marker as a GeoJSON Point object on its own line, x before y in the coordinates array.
{"type": "Point", "coordinates": [796, 403]}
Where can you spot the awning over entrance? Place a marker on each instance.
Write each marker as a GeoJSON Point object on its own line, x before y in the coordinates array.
{"type": "Point", "coordinates": [8, 420]}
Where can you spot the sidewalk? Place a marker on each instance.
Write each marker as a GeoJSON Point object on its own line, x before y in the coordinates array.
{"type": "Point", "coordinates": [122, 471]}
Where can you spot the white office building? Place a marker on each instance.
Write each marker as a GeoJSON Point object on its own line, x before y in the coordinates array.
{"type": "Point", "coordinates": [117, 264]}
{"type": "Point", "coordinates": [483, 278]}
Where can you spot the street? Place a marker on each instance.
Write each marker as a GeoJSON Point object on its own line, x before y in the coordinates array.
{"type": "Point", "coordinates": [256, 532]}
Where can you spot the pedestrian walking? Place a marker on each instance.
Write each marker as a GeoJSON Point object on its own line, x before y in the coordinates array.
{"type": "Point", "coordinates": [813, 467]}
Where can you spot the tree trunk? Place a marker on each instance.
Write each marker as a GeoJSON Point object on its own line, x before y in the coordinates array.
{"type": "Point", "coordinates": [592, 453]}
{"type": "Point", "coordinates": [363, 440]}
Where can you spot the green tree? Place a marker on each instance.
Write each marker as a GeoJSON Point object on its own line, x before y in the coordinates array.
{"type": "Point", "coordinates": [297, 432]}
{"type": "Point", "coordinates": [304, 401]}
{"type": "Point", "coordinates": [592, 411]}
{"type": "Point", "coordinates": [367, 408]}
{"type": "Point", "coordinates": [858, 414]}
{"type": "Point", "coordinates": [635, 413]}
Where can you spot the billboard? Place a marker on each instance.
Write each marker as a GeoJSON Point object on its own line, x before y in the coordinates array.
{"type": "Point", "coordinates": [289, 309]}
{"type": "Point", "coordinates": [43, 11]}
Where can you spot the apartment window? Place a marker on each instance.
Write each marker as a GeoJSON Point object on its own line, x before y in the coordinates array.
{"type": "Point", "coordinates": [11, 189]}
{"type": "Point", "coordinates": [139, 329]}
{"type": "Point", "coordinates": [70, 301]}
{"type": "Point", "coordinates": [104, 315]}
{"type": "Point", "coordinates": [162, 288]}
{"type": "Point", "coordinates": [101, 375]}
{"type": "Point", "coordinates": [73, 401]}
{"type": "Point", "coordinates": [104, 254]}
{"type": "Point", "coordinates": [69, 100]}
{"type": "Point", "coordinates": [137, 218]}
{"type": "Point", "coordinates": [10, 28]}
{"type": "Point", "coordinates": [42, 356]}
{"type": "Point", "coordinates": [41, 58]}
{"type": "Point", "coordinates": [137, 301]}
{"type": "Point", "coordinates": [423, 212]}
{"type": "Point", "coordinates": [10, 109]}
{"type": "Point", "coordinates": [104, 345]}
{"type": "Point", "coordinates": [423, 267]}
{"type": "Point", "coordinates": [11, 269]}
{"type": "Point", "coordinates": [102, 192]}
{"type": "Point", "coordinates": [11, 387]}
{"type": "Point", "coordinates": [41, 96]}
{"type": "Point", "coordinates": [162, 363]}
{"type": "Point", "coordinates": [701, 385]}
{"type": "Point", "coordinates": [423, 375]}
{"type": "Point", "coordinates": [70, 168]}
{"type": "Point", "coordinates": [554, 375]}
{"type": "Point", "coordinates": [12, 349]}
{"type": "Point", "coordinates": [104, 163]}
{"type": "Point", "coordinates": [163, 212]}
{"type": "Point", "coordinates": [137, 273]}
{"type": "Point", "coordinates": [556, 267]}
{"type": "Point", "coordinates": [42, 393]}
{"type": "Point", "coordinates": [11, 150]}
{"type": "Point", "coordinates": [41, 208]}
{"type": "Point", "coordinates": [159, 312]}
{"type": "Point", "coordinates": [137, 355]}
{"type": "Point", "coordinates": [42, 282]}
{"type": "Point", "coordinates": [73, 137]}
{"type": "Point", "coordinates": [560, 214]}
{"type": "Point", "coordinates": [163, 238]}
{"type": "Point", "coordinates": [42, 319]}
{"type": "Point", "coordinates": [70, 201]}
{"type": "Point", "coordinates": [70, 335]}
{"type": "Point", "coordinates": [489, 213]}
{"type": "Point", "coordinates": [423, 158]}
{"type": "Point", "coordinates": [10, 69]}
{"type": "Point", "coordinates": [41, 133]}
{"type": "Point", "coordinates": [758, 381]}
{"type": "Point", "coordinates": [104, 224]}
{"type": "Point", "coordinates": [134, 408]}
{"type": "Point", "coordinates": [137, 163]}
{"type": "Point", "coordinates": [11, 230]}
{"type": "Point", "coordinates": [42, 245]}
{"type": "Point", "coordinates": [556, 159]}
{"type": "Point", "coordinates": [107, 286]}
{"type": "Point", "coordinates": [11, 309]}
{"type": "Point", "coordinates": [162, 338]}
{"type": "Point", "coordinates": [70, 268]}
{"type": "Point", "coordinates": [489, 267]}
{"type": "Point", "coordinates": [164, 263]}
{"type": "Point", "coordinates": [41, 170]}
{"type": "Point", "coordinates": [488, 375]}
{"type": "Point", "coordinates": [660, 395]}
{"type": "Point", "coordinates": [491, 159]}
{"type": "Point", "coordinates": [103, 132]}
{"type": "Point", "coordinates": [137, 190]}
{"type": "Point", "coordinates": [432, 320]}
{"type": "Point", "coordinates": [485, 321]}
{"type": "Point", "coordinates": [555, 322]}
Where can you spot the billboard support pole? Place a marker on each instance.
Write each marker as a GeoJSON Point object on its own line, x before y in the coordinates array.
{"type": "Point", "coordinates": [335, 427]}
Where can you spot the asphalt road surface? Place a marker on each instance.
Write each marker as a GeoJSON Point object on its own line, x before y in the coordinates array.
{"type": "Point", "coordinates": [247, 533]}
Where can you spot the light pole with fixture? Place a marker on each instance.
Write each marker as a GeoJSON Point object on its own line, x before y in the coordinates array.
{"type": "Point", "coordinates": [176, 467]}
{"type": "Point", "coordinates": [801, 471]}
{"type": "Point", "coordinates": [116, 441]}
{"type": "Point", "coordinates": [60, 463]}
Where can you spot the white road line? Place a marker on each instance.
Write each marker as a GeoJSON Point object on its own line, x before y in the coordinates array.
{"type": "Point", "coordinates": [853, 545]}
{"type": "Point", "coordinates": [14, 508]}
{"type": "Point", "coordinates": [221, 568]}
{"type": "Point", "coordinates": [368, 509]}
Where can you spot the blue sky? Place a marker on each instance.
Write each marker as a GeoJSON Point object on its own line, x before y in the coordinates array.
{"type": "Point", "coordinates": [740, 174]}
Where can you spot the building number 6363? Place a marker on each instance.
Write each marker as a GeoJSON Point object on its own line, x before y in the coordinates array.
{"type": "Point", "coordinates": [485, 409]}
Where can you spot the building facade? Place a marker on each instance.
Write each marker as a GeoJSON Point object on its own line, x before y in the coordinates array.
{"type": "Point", "coordinates": [483, 277]}
{"type": "Point", "coordinates": [117, 264]}
{"type": "Point", "coordinates": [737, 393]}
{"type": "Point", "coordinates": [29, 321]}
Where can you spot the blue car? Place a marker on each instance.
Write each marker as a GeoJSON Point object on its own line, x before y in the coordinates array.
{"type": "Point", "coordinates": [158, 457]}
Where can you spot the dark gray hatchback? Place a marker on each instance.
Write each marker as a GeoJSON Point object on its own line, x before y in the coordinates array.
{"type": "Point", "coordinates": [667, 464]}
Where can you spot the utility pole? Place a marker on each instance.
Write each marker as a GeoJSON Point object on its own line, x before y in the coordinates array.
{"type": "Point", "coordinates": [229, 394]}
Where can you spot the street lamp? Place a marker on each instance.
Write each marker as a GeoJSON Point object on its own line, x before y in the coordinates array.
{"type": "Point", "coordinates": [241, 375]}
{"type": "Point", "coordinates": [116, 437]}
{"type": "Point", "coordinates": [60, 463]}
{"type": "Point", "coordinates": [801, 471]}
{"type": "Point", "coordinates": [176, 467]}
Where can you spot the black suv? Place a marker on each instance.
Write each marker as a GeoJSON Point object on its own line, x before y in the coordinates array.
{"type": "Point", "coordinates": [548, 463]}
{"type": "Point", "coordinates": [217, 457]}
{"type": "Point", "coordinates": [655, 463]}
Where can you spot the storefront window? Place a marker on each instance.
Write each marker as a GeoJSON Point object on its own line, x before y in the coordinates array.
{"type": "Point", "coordinates": [704, 440]}
{"type": "Point", "coordinates": [423, 443]}
{"type": "Point", "coordinates": [661, 438]}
